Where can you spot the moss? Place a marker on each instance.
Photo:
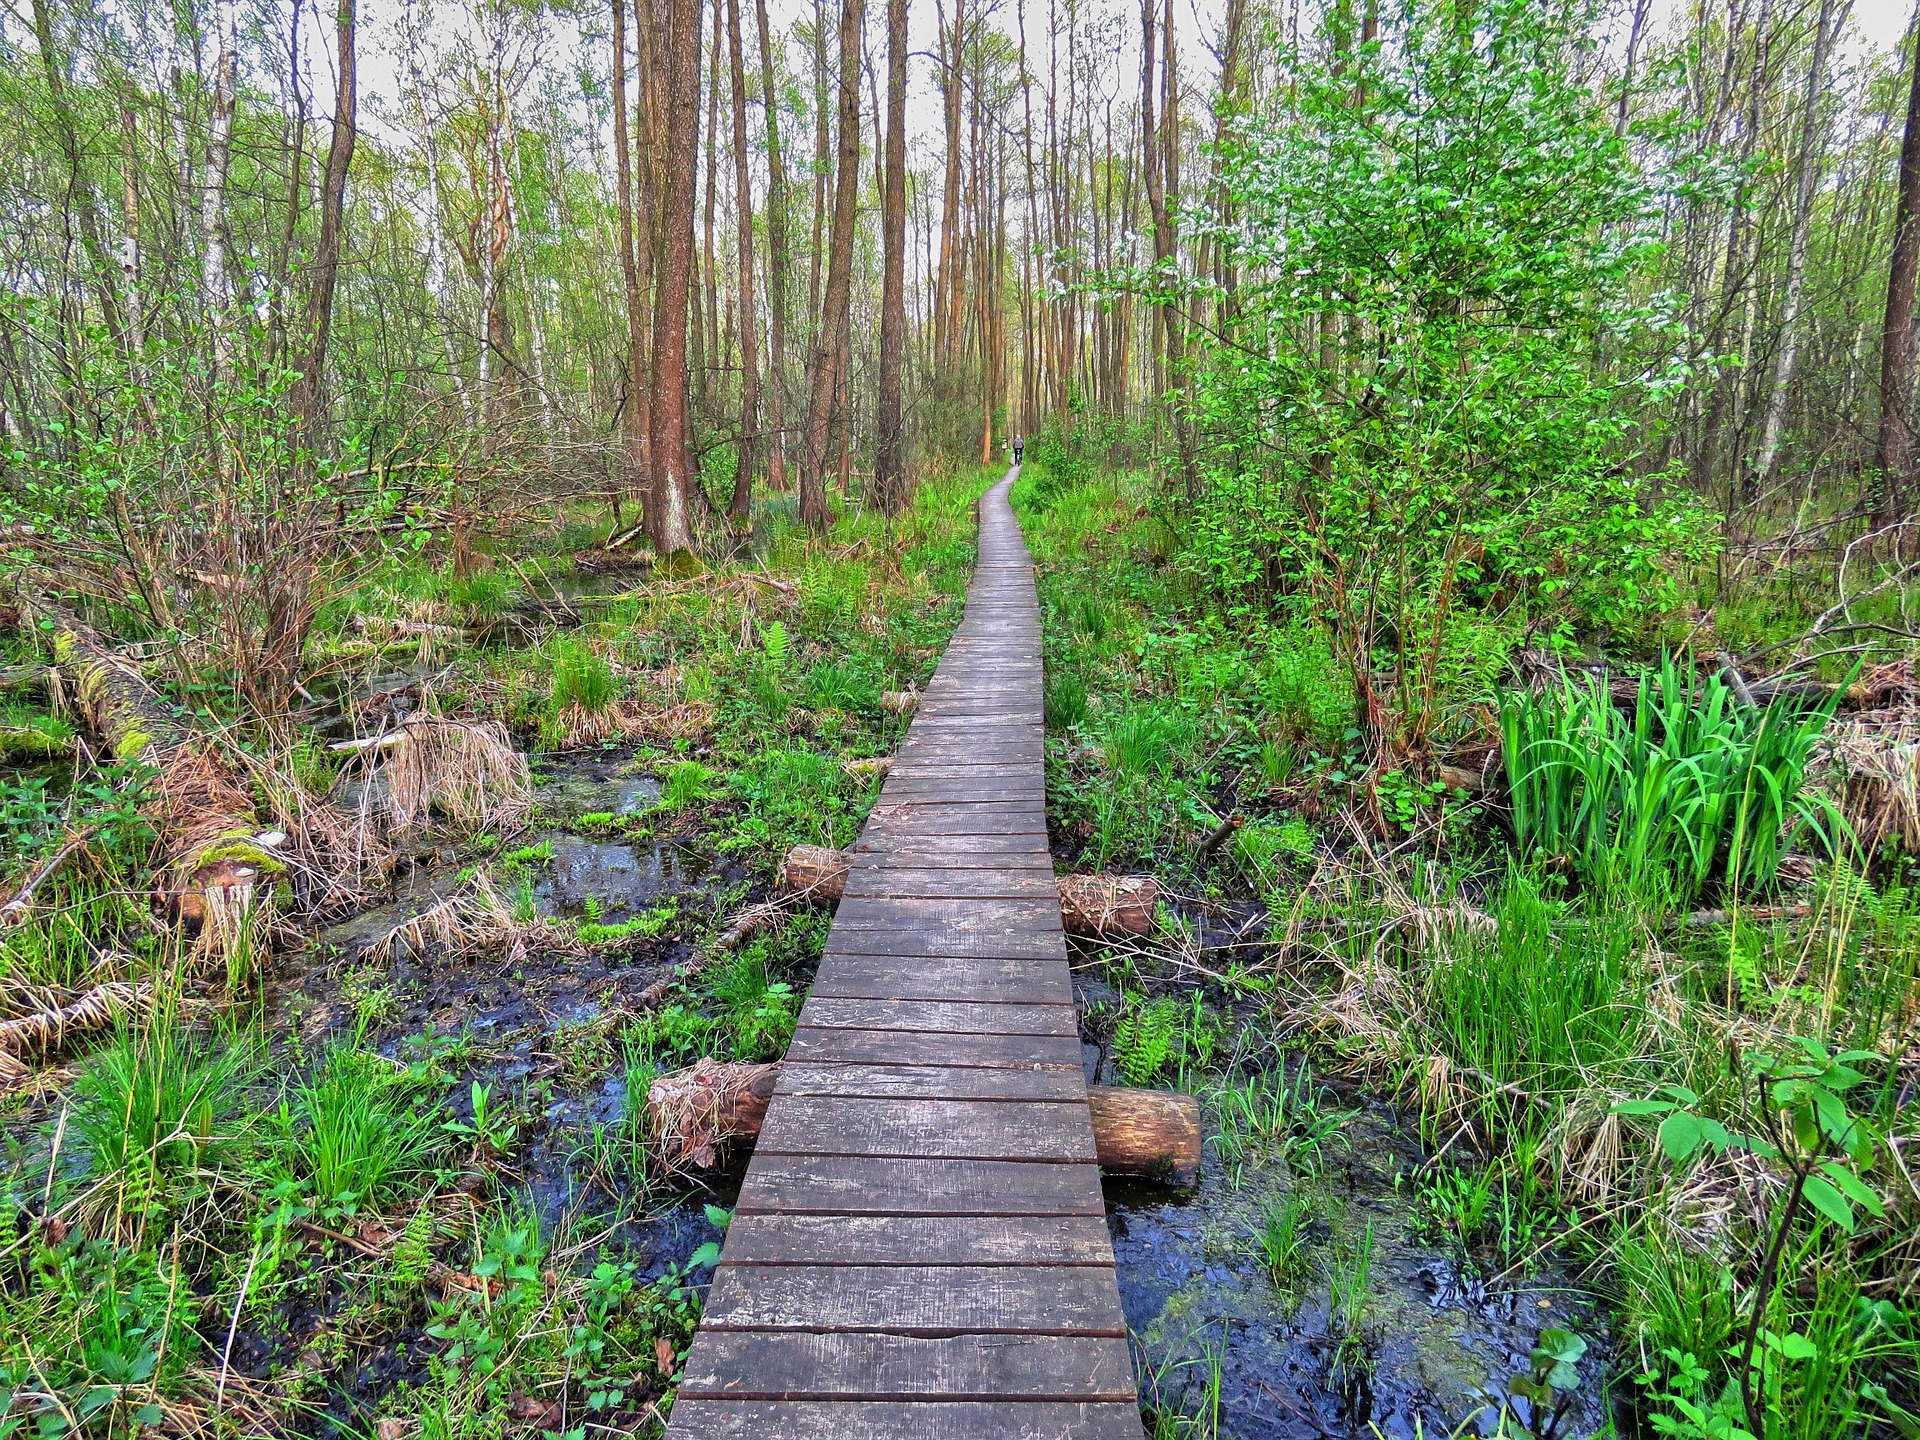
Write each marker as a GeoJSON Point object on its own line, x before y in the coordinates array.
{"type": "Point", "coordinates": [242, 849]}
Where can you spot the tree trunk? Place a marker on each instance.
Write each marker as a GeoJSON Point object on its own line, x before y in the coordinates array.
{"type": "Point", "coordinates": [831, 337]}
{"type": "Point", "coordinates": [668, 522]}
{"type": "Point", "coordinates": [80, 190]}
{"type": "Point", "coordinates": [889, 456]}
{"type": "Point", "coordinates": [1810, 166]}
{"type": "Point", "coordinates": [748, 444]}
{"type": "Point", "coordinates": [776, 264]}
{"type": "Point", "coordinates": [310, 387]}
{"type": "Point", "coordinates": [947, 280]}
{"type": "Point", "coordinates": [213, 192]}
{"type": "Point", "coordinates": [1894, 452]}
{"type": "Point", "coordinates": [632, 415]}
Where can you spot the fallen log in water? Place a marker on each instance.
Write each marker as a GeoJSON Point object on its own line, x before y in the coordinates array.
{"type": "Point", "coordinates": [1089, 904]}
{"type": "Point", "coordinates": [220, 871]}
{"type": "Point", "coordinates": [691, 1113]}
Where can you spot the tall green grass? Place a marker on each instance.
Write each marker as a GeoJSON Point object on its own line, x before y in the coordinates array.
{"type": "Point", "coordinates": [1691, 788]}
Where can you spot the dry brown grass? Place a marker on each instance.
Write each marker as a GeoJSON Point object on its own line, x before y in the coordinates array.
{"type": "Point", "coordinates": [465, 771]}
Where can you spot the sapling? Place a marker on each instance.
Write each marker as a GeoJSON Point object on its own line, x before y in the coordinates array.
{"type": "Point", "coordinates": [1823, 1147]}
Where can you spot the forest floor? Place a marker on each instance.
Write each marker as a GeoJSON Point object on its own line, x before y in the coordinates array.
{"type": "Point", "coordinates": [389, 1176]}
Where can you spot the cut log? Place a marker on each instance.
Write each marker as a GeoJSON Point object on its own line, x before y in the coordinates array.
{"type": "Point", "coordinates": [1109, 904]}
{"type": "Point", "coordinates": [693, 1113]}
{"type": "Point", "coordinates": [1153, 1133]}
{"type": "Point", "coordinates": [815, 872]}
{"type": "Point", "coordinates": [1089, 904]}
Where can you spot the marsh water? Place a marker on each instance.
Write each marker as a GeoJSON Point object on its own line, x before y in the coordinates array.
{"type": "Point", "coordinates": [1216, 1338]}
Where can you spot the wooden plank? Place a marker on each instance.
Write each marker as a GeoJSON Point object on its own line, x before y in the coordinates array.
{"type": "Point", "coordinates": [911, 1047]}
{"type": "Point", "coordinates": [979, 916]}
{"type": "Point", "coordinates": [939, 942]}
{"type": "Point", "coordinates": [868, 977]}
{"type": "Point", "coordinates": [706, 1419]}
{"type": "Point", "coordinates": [923, 1128]}
{"type": "Point", "coordinates": [960, 1017]}
{"type": "Point", "coordinates": [917, 1299]}
{"type": "Point", "coordinates": [1038, 1240]}
{"type": "Point", "coordinates": [755, 1365]}
{"type": "Point", "coordinates": [946, 1082]}
{"type": "Point", "coordinates": [865, 1185]}
{"type": "Point", "coordinates": [897, 881]}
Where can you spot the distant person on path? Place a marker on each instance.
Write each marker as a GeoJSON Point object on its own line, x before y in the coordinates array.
{"type": "Point", "coordinates": [1018, 446]}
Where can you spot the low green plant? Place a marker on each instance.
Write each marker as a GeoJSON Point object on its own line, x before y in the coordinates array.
{"type": "Point", "coordinates": [1065, 701]}
{"type": "Point", "coordinates": [582, 679]}
{"type": "Point", "coordinates": [1282, 1240]}
{"type": "Point", "coordinates": [647, 925]}
{"type": "Point", "coordinates": [1545, 1388]}
{"type": "Point", "coordinates": [759, 1011]}
{"type": "Point", "coordinates": [1349, 1270]}
{"type": "Point", "coordinates": [1811, 1131]}
{"type": "Point", "coordinates": [688, 783]}
{"type": "Point", "coordinates": [356, 1136]}
{"type": "Point", "coordinates": [154, 1108]}
{"type": "Point", "coordinates": [481, 594]}
{"type": "Point", "coordinates": [1692, 787]}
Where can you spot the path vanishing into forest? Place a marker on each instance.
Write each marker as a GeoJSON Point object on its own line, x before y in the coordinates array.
{"type": "Point", "coordinates": [920, 1247]}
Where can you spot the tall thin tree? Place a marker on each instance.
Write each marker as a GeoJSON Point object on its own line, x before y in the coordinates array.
{"type": "Point", "coordinates": [1894, 450]}
{"type": "Point", "coordinates": [889, 456]}
{"type": "Point", "coordinates": [310, 387]}
{"type": "Point", "coordinates": [830, 338]}
{"type": "Point", "coordinates": [747, 448]}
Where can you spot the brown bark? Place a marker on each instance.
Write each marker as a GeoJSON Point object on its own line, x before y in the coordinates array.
{"type": "Point", "coordinates": [831, 337]}
{"type": "Point", "coordinates": [1089, 904]}
{"type": "Point", "coordinates": [668, 523]}
{"type": "Point", "coordinates": [947, 281]}
{"type": "Point", "coordinates": [309, 388]}
{"type": "Point", "coordinates": [693, 1112]}
{"type": "Point", "coordinates": [889, 457]}
{"type": "Point", "coordinates": [633, 413]}
{"type": "Point", "coordinates": [748, 444]}
{"type": "Point", "coordinates": [1894, 452]}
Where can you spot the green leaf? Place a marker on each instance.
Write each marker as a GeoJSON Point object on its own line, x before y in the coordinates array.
{"type": "Point", "coordinates": [707, 1254]}
{"type": "Point", "coordinates": [718, 1218]}
{"type": "Point", "coordinates": [1829, 1202]}
{"type": "Point", "coordinates": [1643, 1107]}
{"type": "Point", "coordinates": [1850, 1185]}
{"type": "Point", "coordinates": [1680, 1135]}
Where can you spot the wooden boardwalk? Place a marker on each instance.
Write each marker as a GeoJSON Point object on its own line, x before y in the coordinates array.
{"type": "Point", "coordinates": [920, 1248]}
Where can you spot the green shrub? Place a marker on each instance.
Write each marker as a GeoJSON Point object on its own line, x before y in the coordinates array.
{"type": "Point", "coordinates": [482, 594]}
{"type": "Point", "coordinates": [1065, 700]}
{"type": "Point", "coordinates": [688, 783]}
{"type": "Point", "coordinates": [582, 678]}
{"type": "Point", "coordinates": [1307, 695]}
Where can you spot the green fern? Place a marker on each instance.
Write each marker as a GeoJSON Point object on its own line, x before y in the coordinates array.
{"type": "Point", "coordinates": [1146, 1039]}
{"type": "Point", "coordinates": [773, 636]}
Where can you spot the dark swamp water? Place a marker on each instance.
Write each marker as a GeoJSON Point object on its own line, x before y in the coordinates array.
{"type": "Point", "coordinates": [1215, 1338]}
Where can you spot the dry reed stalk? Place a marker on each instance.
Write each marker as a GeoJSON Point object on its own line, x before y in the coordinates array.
{"type": "Point", "coordinates": [466, 771]}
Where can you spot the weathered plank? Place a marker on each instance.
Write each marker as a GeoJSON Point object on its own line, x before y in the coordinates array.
{"type": "Point", "coordinates": [914, 1047]}
{"type": "Point", "coordinates": [933, 1082]}
{"type": "Point", "coordinates": [966, 1017]}
{"type": "Point", "coordinates": [842, 1185]}
{"type": "Point", "coordinates": [758, 1365]}
{"type": "Point", "coordinates": [918, 1127]}
{"type": "Point", "coordinates": [703, 1419]}
{"type": "Point", "coordinates": [919, 1240]}
{"type": "Point", "coordinates": [944, 977]}
{"type": "Point", "coordinates": [917, 1299]}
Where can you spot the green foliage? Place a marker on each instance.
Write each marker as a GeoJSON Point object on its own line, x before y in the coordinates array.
{"type": "Point", "coordinates": [156, 1106]}
{"type": "Point", "coordinates": [1413, 412]}
{"type": "Point", "coordinates": [793, 796]}
{"type": "Point", "coordinates": [688, 783]}
{"type": "Point", "coordinates": [758, 1011]}
{"type": "Point", "coordinates": [1693, 787]}
{"type": "Point", "coordinates": [354, 1136]}
{"type": "Point", "coordinates": [481, 594]}
{"type": "Point", "coordinates": [1065, 701]}
{"type": "Point", "coordinates": [1163, 1036]}
{"type": "Point", "coordinates": [647, 925]}
{"type": "Point", "coordinates": [582, 678]}
{"type": "Point", "coordinates": [1282, 1240]}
